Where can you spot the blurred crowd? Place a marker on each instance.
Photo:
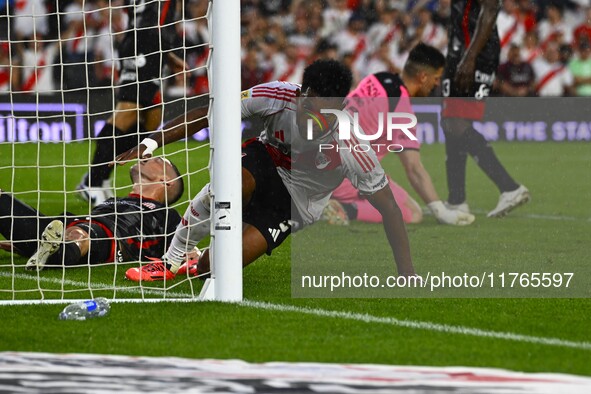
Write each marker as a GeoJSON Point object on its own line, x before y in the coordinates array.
{"type": "Point", "coordinates": [546, 44]}
{"type": "Point", "coordinates": [68, 45]}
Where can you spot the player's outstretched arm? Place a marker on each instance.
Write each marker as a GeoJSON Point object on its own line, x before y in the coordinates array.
{"type": "Point", "coordinates": [487, 20]}
{"type": "Point", "coordinates": [417, 175]}
{"type": "Point", "coordinates": [384, 202]}
{"type": "Point", "coordinates": [180, 127]}
{"type": "Point", "coordinates": [421, 181]}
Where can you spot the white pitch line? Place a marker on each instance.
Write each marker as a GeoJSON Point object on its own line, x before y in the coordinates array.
{"type": "Point", "coordinates": [541, 216]}
{"type": "Point", "coordinates": [94, 286]}
{"type": "Point", "coordinates": [420, 325]}
{"type": "Point", "coordinates": [530, 216]}
{"type": "Point", "coordinates": [360, 317]}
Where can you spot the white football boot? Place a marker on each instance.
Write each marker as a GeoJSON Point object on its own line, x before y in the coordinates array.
{"type": "Point", "coordinates": [509, 201]}
{"type": "Point", "coordinates": [50, 242]}
{"type": "Point", "coordinates": [463, 207]}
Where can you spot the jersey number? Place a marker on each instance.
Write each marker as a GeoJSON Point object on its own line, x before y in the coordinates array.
{"type": "Point", "coordinates": [445, 89]}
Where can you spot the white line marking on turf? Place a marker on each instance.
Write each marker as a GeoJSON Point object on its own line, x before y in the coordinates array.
{"type": "Point", "coordinates": [540, 216]}
{"type": "Point", "coordinates": [530, 216]}
{"type": "Point", "coordinates": [421, 325]}
{"type": "Point", "coordinates": [361, 317]}
{"type": "Point", "coordinates": [93, 285]}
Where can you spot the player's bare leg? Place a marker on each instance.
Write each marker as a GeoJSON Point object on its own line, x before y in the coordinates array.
{"type": "Point", "coordinates": [79, 237]}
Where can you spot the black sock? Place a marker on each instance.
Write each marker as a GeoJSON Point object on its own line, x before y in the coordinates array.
{"type": "Point", "coordinates": [110, 142]}
{"type": "Point", "coordinates": [455, 165]}
{"type": "Point", "coordinates": [351, 210]}
{"type": "Point", "coordinates": [486, 159]}
{"type": "Point", "coordinates": [67, 254]}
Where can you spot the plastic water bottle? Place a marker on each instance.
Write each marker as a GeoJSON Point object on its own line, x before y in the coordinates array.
{"type": "Point", "coordinates": [83, 310]}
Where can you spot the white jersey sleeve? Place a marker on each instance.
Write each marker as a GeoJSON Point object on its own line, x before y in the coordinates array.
{"type": "Point", "coordinates": [268, 98]}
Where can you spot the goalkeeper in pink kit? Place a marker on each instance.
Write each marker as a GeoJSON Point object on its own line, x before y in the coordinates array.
{"type": "Point", "coordinates": [375, 96]}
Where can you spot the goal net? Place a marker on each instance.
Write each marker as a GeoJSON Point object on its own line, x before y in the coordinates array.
{"type": "Point", "coordinates": [81, 77]}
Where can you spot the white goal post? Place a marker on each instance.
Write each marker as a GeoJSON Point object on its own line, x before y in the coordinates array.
{"type": "Point", "coordinates": [45, 135]}
{"type": "Point", "coordinates": [226, 176]}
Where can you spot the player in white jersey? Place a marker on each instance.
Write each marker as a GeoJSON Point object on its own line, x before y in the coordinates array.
{"type": "Point", "coordinates": [286, 179]}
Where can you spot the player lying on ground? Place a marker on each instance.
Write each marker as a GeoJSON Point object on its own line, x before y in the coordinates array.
{"type": "Point", "coordinates": [379, 94]}
{"type": "Point", "coordinates": [144, 52]}
{"type": "Point", "coordinates": [472, 61]}
{"type": "Point", "coordinates": [271, 186]}
{"type": "Point", "coordinates": [120, 229]}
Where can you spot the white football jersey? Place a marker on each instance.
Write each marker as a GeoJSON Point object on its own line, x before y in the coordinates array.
{"type": "Point", "coordinates": [309, 173]}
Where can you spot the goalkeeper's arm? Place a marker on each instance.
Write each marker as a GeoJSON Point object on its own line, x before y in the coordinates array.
{"type": "Point", "coordinates": [180, 127]}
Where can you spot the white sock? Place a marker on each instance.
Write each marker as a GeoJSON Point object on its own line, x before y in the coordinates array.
{"type": "Point", "coordinates": [194, 226]}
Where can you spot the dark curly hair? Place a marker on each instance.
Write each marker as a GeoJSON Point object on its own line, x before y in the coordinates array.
{"type": "Point", "coordinates": [327, 78]}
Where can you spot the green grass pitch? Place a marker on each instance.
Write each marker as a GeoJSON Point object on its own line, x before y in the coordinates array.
{"type": "Point", "coordinates": [551, 232]}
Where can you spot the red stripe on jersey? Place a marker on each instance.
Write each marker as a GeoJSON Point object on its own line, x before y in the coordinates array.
{"type": "Point", "coordinates": [355, 155]}
{"type": "Point", "coordinates": [105, 229]}
{"type": "Point", "coordinates": [287, 72]}
{"type": "Point", "coordinates": [547, 78]}
{"type": "Point", "coordinates": [4, 77]}
{"type": "Point", "coordinates": [31, 82]}
{"type": "Point", "coordinates": [272, 89]}
{"type": "Point", "coordinates": [249, 141]}
{"type": "Point", "coordinates": [164, 11]}
{"type": "Point", "coordinates": [509, 34]}
{"type": "Point", "coordinates": [466, 22]}
{"type": "Point", "coordinates": [364, 155]}
{"type": "Point", "coordinates": [358, 157]}
{"type": "Point", "coordinates": [157, 99]}
{"type": "Point", "coordinates": [289, 100]}
{"type": "Point", "coordinates": [146, 244]}
{"type": "Point", "coordinates": [266, 94]}
{"type": "Point", "coordinates": [278, 94]}
{"type": "Point", "coordinates": [279, 158]}
{"type": "Point", "coordinates": [282, 92]}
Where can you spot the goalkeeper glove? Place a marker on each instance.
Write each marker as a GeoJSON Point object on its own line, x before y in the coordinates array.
{"type": "Point", "coordinates": [448, 216]}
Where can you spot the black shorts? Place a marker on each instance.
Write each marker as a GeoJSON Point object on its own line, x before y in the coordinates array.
{"type": "Point", "coordinates": [469, 104]}
{"type": "Point", "coordinates": [484, 76]}
{"type": "Point", "coordinates": [270, 207]}
{"type": "Point", "coordinates": [102, 243]}
{"type": "Point", "coordinates": [140, 75]}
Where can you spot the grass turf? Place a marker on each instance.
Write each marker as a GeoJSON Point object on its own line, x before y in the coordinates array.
{"type": "Point", "coordinates": [550, 233]}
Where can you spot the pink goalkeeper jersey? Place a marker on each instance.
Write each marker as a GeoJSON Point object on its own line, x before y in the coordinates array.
{"type": "Point", "coordinates": [381, 93]}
